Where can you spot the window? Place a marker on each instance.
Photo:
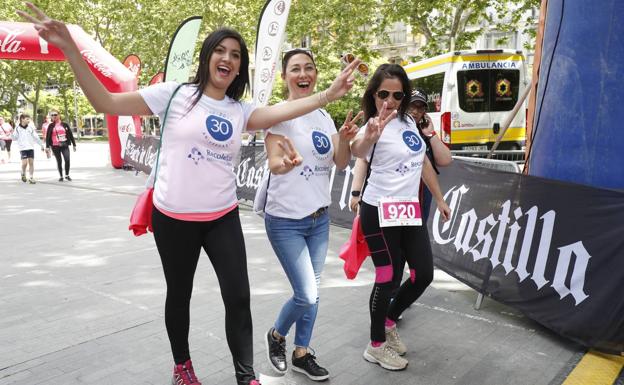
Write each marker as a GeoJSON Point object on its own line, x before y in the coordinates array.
{"type": "Point", "coordinates": [488, 90]}
{"type": "Point", "coordinates": [433, 86]}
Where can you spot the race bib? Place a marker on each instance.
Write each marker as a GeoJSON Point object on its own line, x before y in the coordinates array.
{"type": "Point", "coordinates": [399, 212]}
{"type": "Point", "coordinates": [62, 137]}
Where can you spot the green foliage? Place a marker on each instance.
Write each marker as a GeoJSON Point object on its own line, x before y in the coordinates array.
{"type": "Point", "coordinates": [330, 27]}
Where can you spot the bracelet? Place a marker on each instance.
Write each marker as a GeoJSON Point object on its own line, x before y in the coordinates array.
{"type": "Point", "coordinates": [323, 99]}
{"type": "Point", "coordinates": [355, 193]}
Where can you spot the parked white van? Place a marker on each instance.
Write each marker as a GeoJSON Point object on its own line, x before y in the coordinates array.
{"type": "Point", "coordinates": [471, 93]}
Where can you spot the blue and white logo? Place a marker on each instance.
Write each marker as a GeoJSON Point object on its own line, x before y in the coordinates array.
{"type": "Point", "coordinates": [321, 142]}
{"type": "Point", "coordinates": [412, 140]}
{"type": "Point", "coordinates": [219, 128]}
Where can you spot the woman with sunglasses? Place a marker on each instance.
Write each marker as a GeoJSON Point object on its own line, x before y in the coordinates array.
{"type": "Point", "coordinates": [195, 203]}
{"type": "Point", "coordinates": [58, 137]}
{"type": "Point", "coordinates": [296, 217]}
{"type": "Point", "coordinates": [390, 142]}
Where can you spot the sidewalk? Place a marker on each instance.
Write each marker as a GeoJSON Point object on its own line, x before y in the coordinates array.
{"type": "Point", "coordinates": [82, 299]}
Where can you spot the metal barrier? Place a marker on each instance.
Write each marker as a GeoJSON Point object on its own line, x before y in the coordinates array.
{"type": "Point", "coordinates": [511, 155]}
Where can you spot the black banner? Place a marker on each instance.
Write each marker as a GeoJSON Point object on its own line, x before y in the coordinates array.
{"type": "Point", "coordinates": [553, 250]}
{"type": "Point", "coordinates": [252, 167]}
{"type": "Point", "coordinates": [141, 153]}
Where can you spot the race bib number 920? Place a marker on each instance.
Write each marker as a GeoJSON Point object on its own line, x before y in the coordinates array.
{"type": "Point", "coordinates": [399, 212]}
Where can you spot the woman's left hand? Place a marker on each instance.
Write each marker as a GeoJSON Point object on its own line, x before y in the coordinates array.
{"type": "Point", "coordinates": [444, 210]}
{"type": "Point", "coordinates": [343, 82]}
{"type": "Point", "coordinates": [350, 128]}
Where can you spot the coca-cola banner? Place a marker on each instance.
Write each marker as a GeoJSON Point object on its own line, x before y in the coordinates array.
{"type": "Point", "coordinates": [553, 250]}
{"type": "Point", "coordinates": [21, 41]}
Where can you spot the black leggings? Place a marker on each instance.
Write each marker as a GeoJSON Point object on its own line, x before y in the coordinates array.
{"type": "Point", "coordinates": [388, 246]}
{"type": "Point", "coordinates": [58, 151]}
{"type": "Point", "coordinates": [179, 244]}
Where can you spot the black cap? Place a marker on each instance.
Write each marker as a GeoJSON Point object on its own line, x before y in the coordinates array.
{"type": "Point", "coordinates": [419, 96]}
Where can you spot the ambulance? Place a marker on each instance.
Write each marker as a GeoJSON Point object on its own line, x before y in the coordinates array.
{"type": "Point", "coordinates": [471, 93]}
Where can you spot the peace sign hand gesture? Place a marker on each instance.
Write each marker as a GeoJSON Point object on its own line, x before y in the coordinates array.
{"type": "Point", "coordinates": [53, 31]}
{"type": "Point", "coordinates": [377, 124]}
{"type": "Point", "coordinates": [349, 128]}
{"type": "Point", "coordinates": [291, 157]}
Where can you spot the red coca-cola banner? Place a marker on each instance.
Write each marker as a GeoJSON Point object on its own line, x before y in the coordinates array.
{"type": "Point", "coordinates": [20, 41]}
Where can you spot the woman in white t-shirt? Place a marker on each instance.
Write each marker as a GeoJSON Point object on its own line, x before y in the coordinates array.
{"type": "Point", "coordinates": [296, 217]}
{"type": "Point", "coordinates": [390, 142]}
{"type": "Point", "coordinates": [195, 192]}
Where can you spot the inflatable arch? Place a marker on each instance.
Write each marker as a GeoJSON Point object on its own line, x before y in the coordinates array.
{"type": "Point", "coordinates": [20, 41]}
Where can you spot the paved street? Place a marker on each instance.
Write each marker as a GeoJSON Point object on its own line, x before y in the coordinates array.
{"type": "Point", "coordinates": [81, 301]}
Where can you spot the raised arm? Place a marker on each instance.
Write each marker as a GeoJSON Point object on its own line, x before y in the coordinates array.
{"type": "Point", "coordinates": [269, 116]}
{"type": "Point", "coordinates": [56, 33]}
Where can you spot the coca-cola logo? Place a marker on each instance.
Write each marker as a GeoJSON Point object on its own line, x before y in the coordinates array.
{"type": "Point", "coordinates": [94, 61]}
{"type": "Point", "coordinates": [9, 42]}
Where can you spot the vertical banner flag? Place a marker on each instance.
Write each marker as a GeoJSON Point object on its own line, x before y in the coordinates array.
{"type": "Point", "coordinates": [269, 39]}
{"type": "Point", "coordinates": [182, 50]}
{"type": "Point", "coordinates": [158, 78]}
{"type": "Point", "coordinates": [133, 63]}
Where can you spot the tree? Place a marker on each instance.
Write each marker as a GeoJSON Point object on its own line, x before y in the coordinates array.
{"type": "Point", "coordinates": [444, 23]}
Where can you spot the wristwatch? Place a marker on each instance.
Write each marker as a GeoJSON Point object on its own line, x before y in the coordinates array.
{"type": "Point", "coordinates": [355, 193]}
{"type": "Point", "coordinates": [433, 133]}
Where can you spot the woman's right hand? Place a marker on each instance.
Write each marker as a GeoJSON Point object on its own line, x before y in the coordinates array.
{"type": "Point", "coordinates": [291, 158]}
{"type": "Point", "coordinates": [376, 125]}
{"type": "Point", "coordinates": [53, 31]}
{"type": "Point", "coordinates": [354, 204]}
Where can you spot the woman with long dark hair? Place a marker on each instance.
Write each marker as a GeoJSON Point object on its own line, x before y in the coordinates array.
{"type": "Point", "coordinates": [296, 216]}
{"type": "Point", "coordinates": [195, 203]}
{"type": "Point", "coordinates": [390, 211]}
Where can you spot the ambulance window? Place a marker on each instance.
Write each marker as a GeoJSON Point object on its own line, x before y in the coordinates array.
{"type": "Point", "coordinates": [473, 89]}
{"type": "Point", "coordinates": [433, 86]}
{"type": "Point", "coordinates": [488, 90]}
{"type": "Point", "coordinates": [505, 86]}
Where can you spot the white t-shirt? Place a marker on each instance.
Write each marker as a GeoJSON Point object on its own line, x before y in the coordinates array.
{"type": "Point", "coordinates": [195, 168]}
{"type": "Point", "coordinates": [397, 163]}
{"type": "Point", "coordinates": [304, 189]}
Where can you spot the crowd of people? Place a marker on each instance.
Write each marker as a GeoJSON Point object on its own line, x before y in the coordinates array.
{"type": "Point", "coordinates": [195, 205]}
{"type": "Point", "coordinates": [57, 138]}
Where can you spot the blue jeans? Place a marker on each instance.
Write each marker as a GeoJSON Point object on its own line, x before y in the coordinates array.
{"type": "Point", "coordinates": [301, 247]}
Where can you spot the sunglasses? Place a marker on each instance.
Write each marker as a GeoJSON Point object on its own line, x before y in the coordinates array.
{"type": "Point", "coordinates": [348, 58]}
{"type": "Point", "coordinates": [53, 114]}
{"type": "Point", "coordinates": [397, 95]}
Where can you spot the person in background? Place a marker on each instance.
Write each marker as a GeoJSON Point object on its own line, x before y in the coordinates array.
{"type": "Point", "coordinates": [26, 138]}
{"type": "Point", "coordinates": [6, 131]}
{"type": "Point", "coordinates": [58, 137]}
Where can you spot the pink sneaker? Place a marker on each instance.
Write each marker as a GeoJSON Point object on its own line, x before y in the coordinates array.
{"type": "Point", "coordinates": [183, 374]}
{"type": "Point", "coordinates": [255, 382]}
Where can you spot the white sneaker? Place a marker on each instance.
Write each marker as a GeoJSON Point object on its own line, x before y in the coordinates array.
{"type": "Point", "coordinates": [393, 339]}
{"type": "Point", "coordinates": [385, 356]}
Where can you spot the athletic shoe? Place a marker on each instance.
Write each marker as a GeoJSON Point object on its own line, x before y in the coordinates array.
{"type": "Point", "coordinates": [183, 374]}
{"type": "Point", "coordinates": [393, 339]}
{"type": "Point", "coordinates": [31, 181]}
{"type": "Point", "coordinates": [276, 352]}
{"type": "Point", "coordinates": [60, 179]}
{"type": "Point", "coordinates": [68, 178]}
{"type": "Point", "coordinates": [308, 366]}
{"type": "Point", "coordinates": [385, 356]}
{"type": "Point", "coordinates": [254, 382]}
{"type": "Point", "coordinates": [23, 178]}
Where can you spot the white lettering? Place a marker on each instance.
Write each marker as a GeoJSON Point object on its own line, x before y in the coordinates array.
{"type": "Point", "coordinates": [10, 44]}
